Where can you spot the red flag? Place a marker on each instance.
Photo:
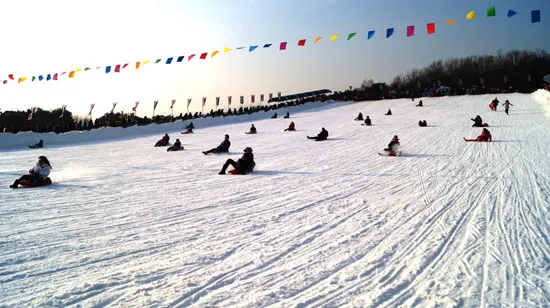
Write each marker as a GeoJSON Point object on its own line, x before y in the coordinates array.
{"type": "Point", "coordinates": [5, 81]}
{"type": "Point", "coordinates": [203, 55]}
{"type": "Point", "coordinates": [91, 108]}
{"type": "Point", "coordinates": [173, 102]}
{"type": "Point", "coordinates": [431, 28]}
{"type": "Point", "coordinates": [117, 68]}
{"type": "Point", "coordinates": [11, 76]}
{"type": "Point", "coordinates": [282, 46]}
{"type": "Point", "coordinates": [229, 100]}
{"type": "Point", "coordinates": [190, 57]}
{"type": "Point", "coordinates": [252, 97]}
{"type": "Point", "coordinates": [124, 66]}
{"type": "Point", "coordinates": [135, 107]}
{"type": "Point", "coordinates": [302, 43]}
{"type": "Point", "coordinates": [55, 76]}
{"type": "Point", "coordinates": [203, 101]}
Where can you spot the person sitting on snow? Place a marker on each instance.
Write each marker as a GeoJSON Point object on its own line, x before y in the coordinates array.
{"type": "Point", "coordinates": [176, 147]}
{"type": "Point", "coordinates": [287, 115]}
{"type": "Point", "coordinates": [37, 173]}
{"type": "Point", "coordinates": [359, 117]}
{"type": "Point", "coordinates": [323, 135]}
{"type": "Point", "coordinates": [164, 141]}
{"type": "Point", "coordinates": [389, 112]}
{"type": "Point", "coordinates": [419, 104]}
{"type": "Point", "coordinates": [478, 122]}
{"type": "Point", "coordinates": [291, 127]}
{"type": "Point", "coordinates": [368, 121]}
{"type": "Point", "coordinates": [422, 123]}
{"type": "Point", "coordinates": [484, 137]}
{"type": "Point", "coordinates": [393, 145]}
{"type": "Point", "coordinates": [243, 165]}
{"type": "Point", "coordinates": [274, 116]}
{"type": "Point", "coordinates": [190, 126]}
{"type": "Point", "coordinates": [222, 148]}
{"type": "Point", "coordinates": [39, 145]}
{"type": "Point", "coordinates": [252, 130]}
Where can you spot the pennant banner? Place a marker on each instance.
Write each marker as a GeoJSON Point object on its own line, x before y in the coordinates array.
{"type": "Point", "coordinates": [229, 100]}
{"type": "Point", "coordinates": [217, 100]}
{"type": "Point", "coordinates": [91, 108]}
{"type": "Point", "coordinates": [203, 101]}
{"type": "Point", "coordinates": [135, 107]}
{"type": "Point", "coordinates": [188, 102]}
{"type": "Point", "coordinates": [114, 105]}
{"type": "Point", "coordinates": [172, 105]}
{"type": "Point", "coordinates": [270, 97]}
{"type": "Point", "coordinates": [252, 98]}
{"type": "Point", "coordinates": [242, 99]}
{"type": "Point", "coordinates": [261, 98]}
{"type": "Point", "coordinates": [389, 32]}
{"type": "Point", "coordinates": [155, 105]}
{"type": "Point", "coordinates": [410, 31]}
{"type": "Point", "coordinates": [29, 117]}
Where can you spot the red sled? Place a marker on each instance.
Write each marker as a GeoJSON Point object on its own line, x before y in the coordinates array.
{"type": "Point", "coordinates": [485, 125]}
{"type": "Point", "coordinates": [34, 183]}
{"type": "Point", "coordinates": [491, 106]}
{"type": "Point", "coordinates": [234, 171]}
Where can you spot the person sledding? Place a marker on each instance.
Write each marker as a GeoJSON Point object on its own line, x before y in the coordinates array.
{"type": "Point", "coordinates": [38, 175]}
{"type": "Point", "coordinates": [507, 105]}
{"type": "Point", "coordinates": [388, 112]}
{"type": "Point", "coordinates": [493, 105]}
{"type": "Point", "coordinates": [176, 147]}
{"type": "Point", "coordinates": [164, 141]}
{"type": "Point", "coordinates": [243, 165]}
{"type": "Point", "coordinates": [252, 130]}
{"type": "Point", "coordinates": [478, 122]}
{"type": "Point", "coordinates": [422, 123]}
{"type": "Point", "coordinates": [291, 127]}
{"type": "Point", "coordinates": [39, 145]}
{"type": "Point", "coordinates": [189, 128]}
{"type": "Point", "coordinates": [222, 148]}
{"type": "Point", "coordinates": [287, 115]}
{"type": "Point", "coordinates": [419, 104]}
{"type": "Point", "coordinates": [368, 122]}
{"type": "Point", "coordinates": [394, 148]}
{"type": "Point", "coordinates": [359, 117]}
{"type": "Point", "coordinates": [323, 135]}
{"type": "Point", "coordinates": [274, 116]}
{"type": "Point", "coordinates": [484, 137]}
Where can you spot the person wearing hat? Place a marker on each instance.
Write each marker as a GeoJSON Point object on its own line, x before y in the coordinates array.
{"type": "Point", "coordinates": [243, 165]}
{"type": "Point", "coordinates": [37, 173]}
{"type": "Point", "coordinates": [222, 148]}
{"type": "Point", "coordinates": [393, 145]}
{"type": "Point", "coordinates": [323, 135]}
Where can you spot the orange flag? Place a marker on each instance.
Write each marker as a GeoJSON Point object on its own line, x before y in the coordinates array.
{"type": "Point", "coordinates": [71, 74]}
{"type": "Point", "coordinates": [317, 39]}
{"type": "Point", "coordinates": [214, 53]}
{"type": "Point", "coordinates": [137, 65]}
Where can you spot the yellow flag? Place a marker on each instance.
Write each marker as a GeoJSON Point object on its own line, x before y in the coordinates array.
{"type": "Point", "coordinates": [471, 15]}
{"type": "Point", "coordinates": [226, 49]}
{"type": "Point", "coordinates": [317, 39]}
{"type": "Point", "coordinates": [145, 62]}
{"type": "Point", "coordinates": [21, 79]}
{"type": "Point", "coordinates": [334, 36]}
{"type": "Point", "coordinates": [71, 74]}
{"type": "Point", "coordinates": [214, 53]}
{"type": "Point", "coordinates": [78, 69]}
{"type": "Point", "coordinates": [450, 21]}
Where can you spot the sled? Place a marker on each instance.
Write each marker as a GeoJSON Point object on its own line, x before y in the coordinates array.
{"type": "Point", "coordinates": [386, 153]}
{"type": "Point", "coordinates": [249, 133]}
{"type": "Point", "coordinates": [161, 144]}
{"type": "Point", "coordinates": [475, 140]}
{"type": "Point", "coordinates": [234, 171]}
{"type": "Point", "coordinates": [491, 106]}
{"type": "Point", "coordinates": [171, 149]}
{"type": "Point", "coordinates": [34, 183]}
{"type": "Point", "coordinates": [35, 147]}
{"type": "Point", "coordinates": [186, 132]}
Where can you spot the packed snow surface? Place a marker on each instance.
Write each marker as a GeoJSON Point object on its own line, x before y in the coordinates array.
{"type": "Point", "coordinates": [329, 223]}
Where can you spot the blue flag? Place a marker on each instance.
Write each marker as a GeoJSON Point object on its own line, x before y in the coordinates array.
{"type": "Point", "coordinates": [389, 32]}
{"type": "Point", "coordinates": [535, 16]}
{"type": "Point", "coordinates": [511, 13]}
{"type": "Point", "coordinates": [370, 34]}
{"type": "Point", "coordinates": [169, 60]}
{"type": "Point", "coordinates": [108, 69]}
{"type": "Point", "coordinates": [180, 58]}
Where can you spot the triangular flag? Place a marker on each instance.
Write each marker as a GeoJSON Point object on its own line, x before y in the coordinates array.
{"type": "Point", "coordinates": [87, 69]}
{"type": "Point", "coordinates": [55, 76]}
{"type": "Point", "coordinates": [214, 53]}
{"type": "Point", "coordinates": [40, 78]}
{"type": "Point", "coordinates": [78, 69]}
{"type": "Point", "coordinates": [107, 69]}
{"type": "Point", "coordinates": [492, 11]}
{"type": "Point", "coordinates": [145, 62]}
{"type": "Point", "coordinates": [370, 34]}
{"type": "Point", "coordinates": [334, 36]}
{"type": "Point", "coordinates": [21, 79]}
{"type": "Point", "coordinates": [137, 65]}
{"type": "Point", "coordinates": [317, 39]}
{"type": "Point", "coordinates": [251, 48]}
{"type": "Point", "coordinates": [410, 31]}
{"type": "Point", "coordinates": [157, 60]}
{"type": "Point", "coordinates": [117, 68]}
{"type": "Point", "coordinates": [282, 46]}
{"type": "Point", "coordinates": [190, 57]}
{"type": "Point", "coordinates": [180, 58]}
{"type": "Point", "coordinates": [71, 74]}
{"type": "Point", "coordinates": [169, 60]}
{"type": "Point", "coordinates": [267, 45]}
{"type": "Point", "coordinates": [450, 21]}
{"type": "Point", "coordinates": [535, 16]}
{"type": "Point", "coordinates": [226, 49]}
{"type": "Point", "coordinates": [302, 43]}
{"type": "Point", "coordinates": [10, 76]}
{"type": "Point", "coordinates": [33, 78]}
{"type": "Point", "coordinates": [48, 77]}
{"type": "Point", "coordinates": [351, 35]}
{"type": "Point", "coordinates": [389, 32]}
{"type": "Point", "coordinates": [430, 28]}
{"type": "Point", "coordinates": [63, 73]}
{"type": "Point", "coordinates": [203, 55]}
{"type": "Point", "coordinates": [511, 13]}
{"type": "Point", "coordinates": [471, 15]}
{"type": "Point", "coordinates": [125, 65]}
{"type": "Point", "coordinates": [240, 48]}
{"type": "Point", "coordinates": [5, 81]}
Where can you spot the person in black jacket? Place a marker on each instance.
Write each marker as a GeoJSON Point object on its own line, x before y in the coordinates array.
{"type": "Point", "coordinates": [393, 145]}
{"type": "Point", "coordinates": [164, 141]}
{"type": "Point", "coordinates": [359, 117]}
{"type": "Point", "coordinates": [389, 112]}
{"type": "Point", "coordinates": [243, 165]}
{"type": "Point", "coordinates": [478, 122]}
{"type": "Point", "coordinates": [39, 145]}
{"type": "Point", "coordinates": [287, 115]}
{"type": "Point", "coordinates": [222, 148]}
{"type": "Point", "coordinates": [495, 103]}
{"type": "Point", "coordinates": [252, 130]}
{"type": "Point", "coordinates": [368, 122]}
{"type": "Point", "coordinates": [419, 104]}
{"type": "Point", "coordinates": [274, 116]}
{"type": "Point", "coordinates": [323, 135]}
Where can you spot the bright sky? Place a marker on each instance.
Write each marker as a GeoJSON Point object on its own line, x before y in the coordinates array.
{"type": "Point", "coordinates": [41, 37]}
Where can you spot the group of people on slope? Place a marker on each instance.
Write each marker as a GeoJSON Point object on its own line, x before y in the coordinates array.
{"type": "Point", "coordinates": [494, 104]}
{"type": "Point", "coordinates": [286, 116]}
{"type": "Point", "coordinates": [367, 120]}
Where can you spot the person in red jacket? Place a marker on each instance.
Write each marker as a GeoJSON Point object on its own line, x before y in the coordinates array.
{"type": "Point", "coordinates": [484, 137]}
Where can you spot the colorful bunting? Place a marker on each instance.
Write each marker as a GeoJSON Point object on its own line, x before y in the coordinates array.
{"type": "Point", "coordinates": [155, 103]}
{"type": "Point", "coordinates": [21, 79]}
{"type": "Point", "coordinates": [302, 43]}
{"type": "Point", "coordinates": [389, 32]}
{"type": "Point", "coordinates": [410, 31]}
{"type": "Point", "coordinates": [370, 34]}
{"type": "Point", "coordinates": [491, 11]}
{"type": "Point", "coordinates": [71, 74]}
{"type": "Point", "coordinates": [535, 16]}
{"type": "Point", "coordinates": [351, 35]}
{"type": "Point", "coordinates": [317, 39]}
{"type": "Point", "coordinates": [33, 110]}
{"type": "Point", "coordinates": [261, 98]}
{"type": "Point", "coordinates": [511, 13]}
{"type": "Point", "coordinates": [471, 15]}
{"type": "Point", "coordinates": [334, 36]}
{"type": "Point", "coordinates": [40, 78]}
{"type": "Point", "coordinates": [242, 99]}
{"type": "Point", "coordinates": [172, 105]}
{"type": "Point", "coordinates": [107, 69]}
{"type": "Point", "coordinates": [87, 69]}
{"type": "Point", "coordinates": [267, 45]}
{"type": "Point", "coordinates": [135, 107]}
{"type": "Point", "coordinates": [189, 102]}
{"type": "Point", "coordinates": [117, 68]}
{"type": "Point", "coordinates": [450, 21]}
{"type": "Point", "coordinates": [48, 77]}
{"type": "Point", "coordinates": [169, 60]}
{"type": "Point", "coordinates": [190, 57]}
{"type": "Point", "coordinates": [270, 97]}
{"type": "Point", "coordinates": [180, 58]}
{"type": "Point", "coordinates": [5, 81]}
{"type": "Point", "coordinates": [203, 55]}
{"type": "Point", "coordinates": [10, 76]}
{"type": "Point", "coordinates": [145, 62]}
{"type": "Point", "coordinates": [203, 101]}
{"type": "Point", "coordinates": [217, 100]}
{"type": "Point", "coordinates": [282, 46]}
{"type": "Point", "coordinates": [430, 28]}
{"type": "Point", "coordinates": [226, 49]}
{"type": "Point", "coordinates": [214, 53]}
{"type": "Point", "coordinates": [114, 105]}
{"type": "Point", "coordinates": [252, 48]}
{"type": "Point", "coordinates": [78, 69]}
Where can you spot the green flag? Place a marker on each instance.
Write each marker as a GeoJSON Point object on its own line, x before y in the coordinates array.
{"type": "Point", "coordinates": [351, 35]}
{"type": "Point", "coordinates": [87, 69]}
{"type": "Point", "coordinates": [492, 11]}
{"type": "Point", "coordinates": [158, 60]}
{"type": "Point", "coordinates": [33, 78]}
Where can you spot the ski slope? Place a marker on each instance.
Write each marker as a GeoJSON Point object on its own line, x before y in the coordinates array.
{"type": "Point", "coordinates": [328, 224]}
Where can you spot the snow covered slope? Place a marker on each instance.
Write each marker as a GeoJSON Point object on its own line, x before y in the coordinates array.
{"type": "Point", "coordinates": [327, 223]}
